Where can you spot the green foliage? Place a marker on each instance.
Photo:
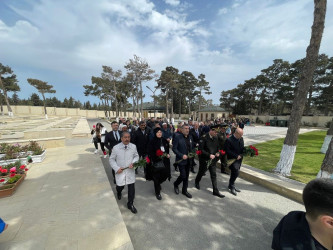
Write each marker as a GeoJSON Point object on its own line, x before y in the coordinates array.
{"type": "Point", "coordinates": [4, 187]}
{"type": "Point", "coordinates": [14, 179]}
{"type": "Point", "coordinates": [308, 158]}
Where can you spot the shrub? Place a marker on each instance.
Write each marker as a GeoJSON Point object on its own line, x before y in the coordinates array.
{"type": "Point", "coordinates": [14, 179]}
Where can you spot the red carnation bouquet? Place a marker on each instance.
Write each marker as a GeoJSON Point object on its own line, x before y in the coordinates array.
{"type": "Point", "coordinates": [251, 151]}
{"type": "Point", "coordinates": [160, 154]}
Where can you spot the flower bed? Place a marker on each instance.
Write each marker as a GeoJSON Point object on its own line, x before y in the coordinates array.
{"type": "Point", "coordinates": [11, 153]}
{"type": "Point", "coordinates": [11, 177]}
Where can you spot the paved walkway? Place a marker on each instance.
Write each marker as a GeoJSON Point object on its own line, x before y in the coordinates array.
{"type": "Point", "coordinates": [204, 222]}
{"type": "Point", "coordinates": [64, 203]}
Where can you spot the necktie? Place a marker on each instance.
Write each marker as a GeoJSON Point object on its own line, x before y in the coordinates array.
{"type": "Point", "coordinates": [197, 133]}
{"type": "Point", "coordinates": [125, 147]}
{"type": "Point", "coordinates": [115, 136]}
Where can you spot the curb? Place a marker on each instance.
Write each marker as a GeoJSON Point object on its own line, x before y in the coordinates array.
{"type": "Point", "coordinates": [281, 185]}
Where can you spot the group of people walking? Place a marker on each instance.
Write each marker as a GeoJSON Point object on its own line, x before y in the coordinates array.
{"type": "Point", "coordinates": [151, 141]}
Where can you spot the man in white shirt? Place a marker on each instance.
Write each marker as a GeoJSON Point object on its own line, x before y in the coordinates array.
{"type": "Point", "coordinates": [122, 158]}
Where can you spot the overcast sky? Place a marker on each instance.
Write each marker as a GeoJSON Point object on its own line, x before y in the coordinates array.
{"type": "Point", "coordinates": [65, 42]}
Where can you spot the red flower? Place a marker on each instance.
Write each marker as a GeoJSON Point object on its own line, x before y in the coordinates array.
{"type": "Point", "coordinates": [22, 167]}
{"type": "Point", "coordinates": [147, 160]}
{"type": "Point", "coordinates": [198, 152]}
{"type": "Point", "coordinates": [222, 152]}
{"type": "Point", "coordinates": [12, 175]}
{"type": "Point", "coordinates": [256, 153]}
{"type": "Point", "coordinates": [159, 152]}
{"type": "Point", "coordinates": [2, 180]}
{"type": "Point", "coordinates": [4, 171]}
{"type": "Point", "coordinates": [26, 169]}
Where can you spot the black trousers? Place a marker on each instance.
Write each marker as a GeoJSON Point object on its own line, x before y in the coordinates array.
{"type": "Point", "coordinates": [131, 192]}
{"type": "Point", "coordinates": [183, 176]}
{"type": "Point", "coordinates": [157, 186]}
{"type": "Point", "coordinates": [98, 140]}
{"type": "Point", "coordinates": [212, 171]}
{"type": "Point", "coordinates": [223, 160]}
{"type": "Point", "coordinates": [234, 168]}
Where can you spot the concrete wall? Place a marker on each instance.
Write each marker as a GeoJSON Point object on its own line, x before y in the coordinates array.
{"type": "Point", "coordinates": [52, 111]}
{"type": "Point", "coordinates": [319, 121]}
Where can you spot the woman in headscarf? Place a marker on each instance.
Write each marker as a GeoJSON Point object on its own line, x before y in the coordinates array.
{"type": "Point", "coordinates": [155, 148]}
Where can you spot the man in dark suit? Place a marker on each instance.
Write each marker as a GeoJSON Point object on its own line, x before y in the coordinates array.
{"type": "Point", "coordinates": [112, 139]}
{"type": "Point", "coordinates": [196, 133]}
{"type": "Point", "coordinates": [141, 138]}
{"type": "Point", "coordinates": [222, 138]}
{"type": "Point", "coordinates": [234, 148]}
{"type": "Point", "coordinates": [209, 146]}
{"type": "Point", "coordinates": [182, 145]}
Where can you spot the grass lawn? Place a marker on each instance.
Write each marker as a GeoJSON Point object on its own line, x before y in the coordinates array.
{"type": "Point", "coordinates": [308, 158]}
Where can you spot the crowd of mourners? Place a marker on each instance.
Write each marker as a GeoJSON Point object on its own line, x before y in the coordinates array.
{"type": "Point", "coordinates": [153, 140]}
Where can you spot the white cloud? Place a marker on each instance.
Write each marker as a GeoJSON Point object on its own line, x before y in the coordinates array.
{"type": "Point", "coordinates": [173, 2]}
{"type": "Point", "coordinates": [222, 11]}
{"type": "Point", "coordinates": [74, 42]}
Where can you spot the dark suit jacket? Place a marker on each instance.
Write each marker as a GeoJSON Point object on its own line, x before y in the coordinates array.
{"type": "Point", "coordinates": [141, 140]}
{"type": "Point", "coordinates": [179, 147]}
{"type": "Point", "coordinates": [195, 136]}
{"type": "Point", "coordinates": [110, 140]}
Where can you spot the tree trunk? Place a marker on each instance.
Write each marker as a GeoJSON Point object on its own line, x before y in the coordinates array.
{"type": "Point", "coordinates": [10, 112]}
{"type": "Point", "coordinates": [1, 106]}
{"type": "Point", "coordinates": [172, 105]}
{"type": "Point", "coordinates": [133, 106]}
{"type": "Point", "coordinates": [308, 103]}
{"type": "Point", "coordinates": [141, 100]}
{"type": "Point", "coordinates": [44, 105]}
{"type": "Point", "coordinates": [167, 103]}
{"type": "Point", "coordinates": [115, 97]}
{"type": "Point", "coordinates": [327, 139]}
{"type": "Point", "coordinates": [326, 170]}
{"type": "Point", "coordinates": [180, 107]}
{"type": "Point", "coordinates": [289, 148]}
{"type": "Point", "coordinates": [262, 96]}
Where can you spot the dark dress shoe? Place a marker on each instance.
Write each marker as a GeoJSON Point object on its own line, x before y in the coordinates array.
{"type": "Point", "coordinates": [237, 190]}
{"type": "Point", "coordinates": [197, 186]}
{"type": "Point", "coordinates": [218, 194]}
{"type": "Point", "coordinates": [225, 172]}
{"type": "Point", "coordinates": [119, 196]}
{"type": "Point", "coordinates": [233, 191]}
{"type": "Point", "coordinates": [159, 197]}
{"type": "Point", "coordinates": [192, 170]}
{"type": "Point", "coordinates": [187, 194]}
{"type": "Point", "coordinates": [132, 208]}
{"type": "Point", "coordinates": [176, 189]}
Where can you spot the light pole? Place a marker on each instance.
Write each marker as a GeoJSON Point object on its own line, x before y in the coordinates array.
{"type": "Point", "coordinates": [153, 97]}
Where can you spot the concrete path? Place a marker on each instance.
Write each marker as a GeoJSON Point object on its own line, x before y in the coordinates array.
{"type": "Point", "coordinates": [64, 203]}
{"type": "Point", "coordinates": [204, 222]}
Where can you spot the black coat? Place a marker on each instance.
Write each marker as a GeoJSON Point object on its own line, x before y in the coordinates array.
{"type": "Point", "coordinates": [293, 232]}
{"type": "Point", "coordinates": [234, 147]}
{"type": "Point", "coordinates": [194, 135]}
{"type": "Point", "coordinates": [179, 147]}
{"type": "Point", "coordinates": [110, 140]}
{"type": "Point", "coordinates": [141, 140]}
{"type": "Point", "coordinates": [151, 172]}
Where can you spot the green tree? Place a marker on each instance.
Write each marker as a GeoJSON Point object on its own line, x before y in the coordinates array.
{"type": "Point", "coordinates": [15, 99]}
{"type": "Point", "coordinates": [8, 83]}
{"type": "Point", "coordinates": [289, 147]}
{"type": "Point", "coordinates": [43, 88]}
{"type": "Point", "coordinates": [35, 100]}
{"type": "Point", "coordinates": [141, 72]}
{"type": "Point", "coordinates": [203, 87]}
